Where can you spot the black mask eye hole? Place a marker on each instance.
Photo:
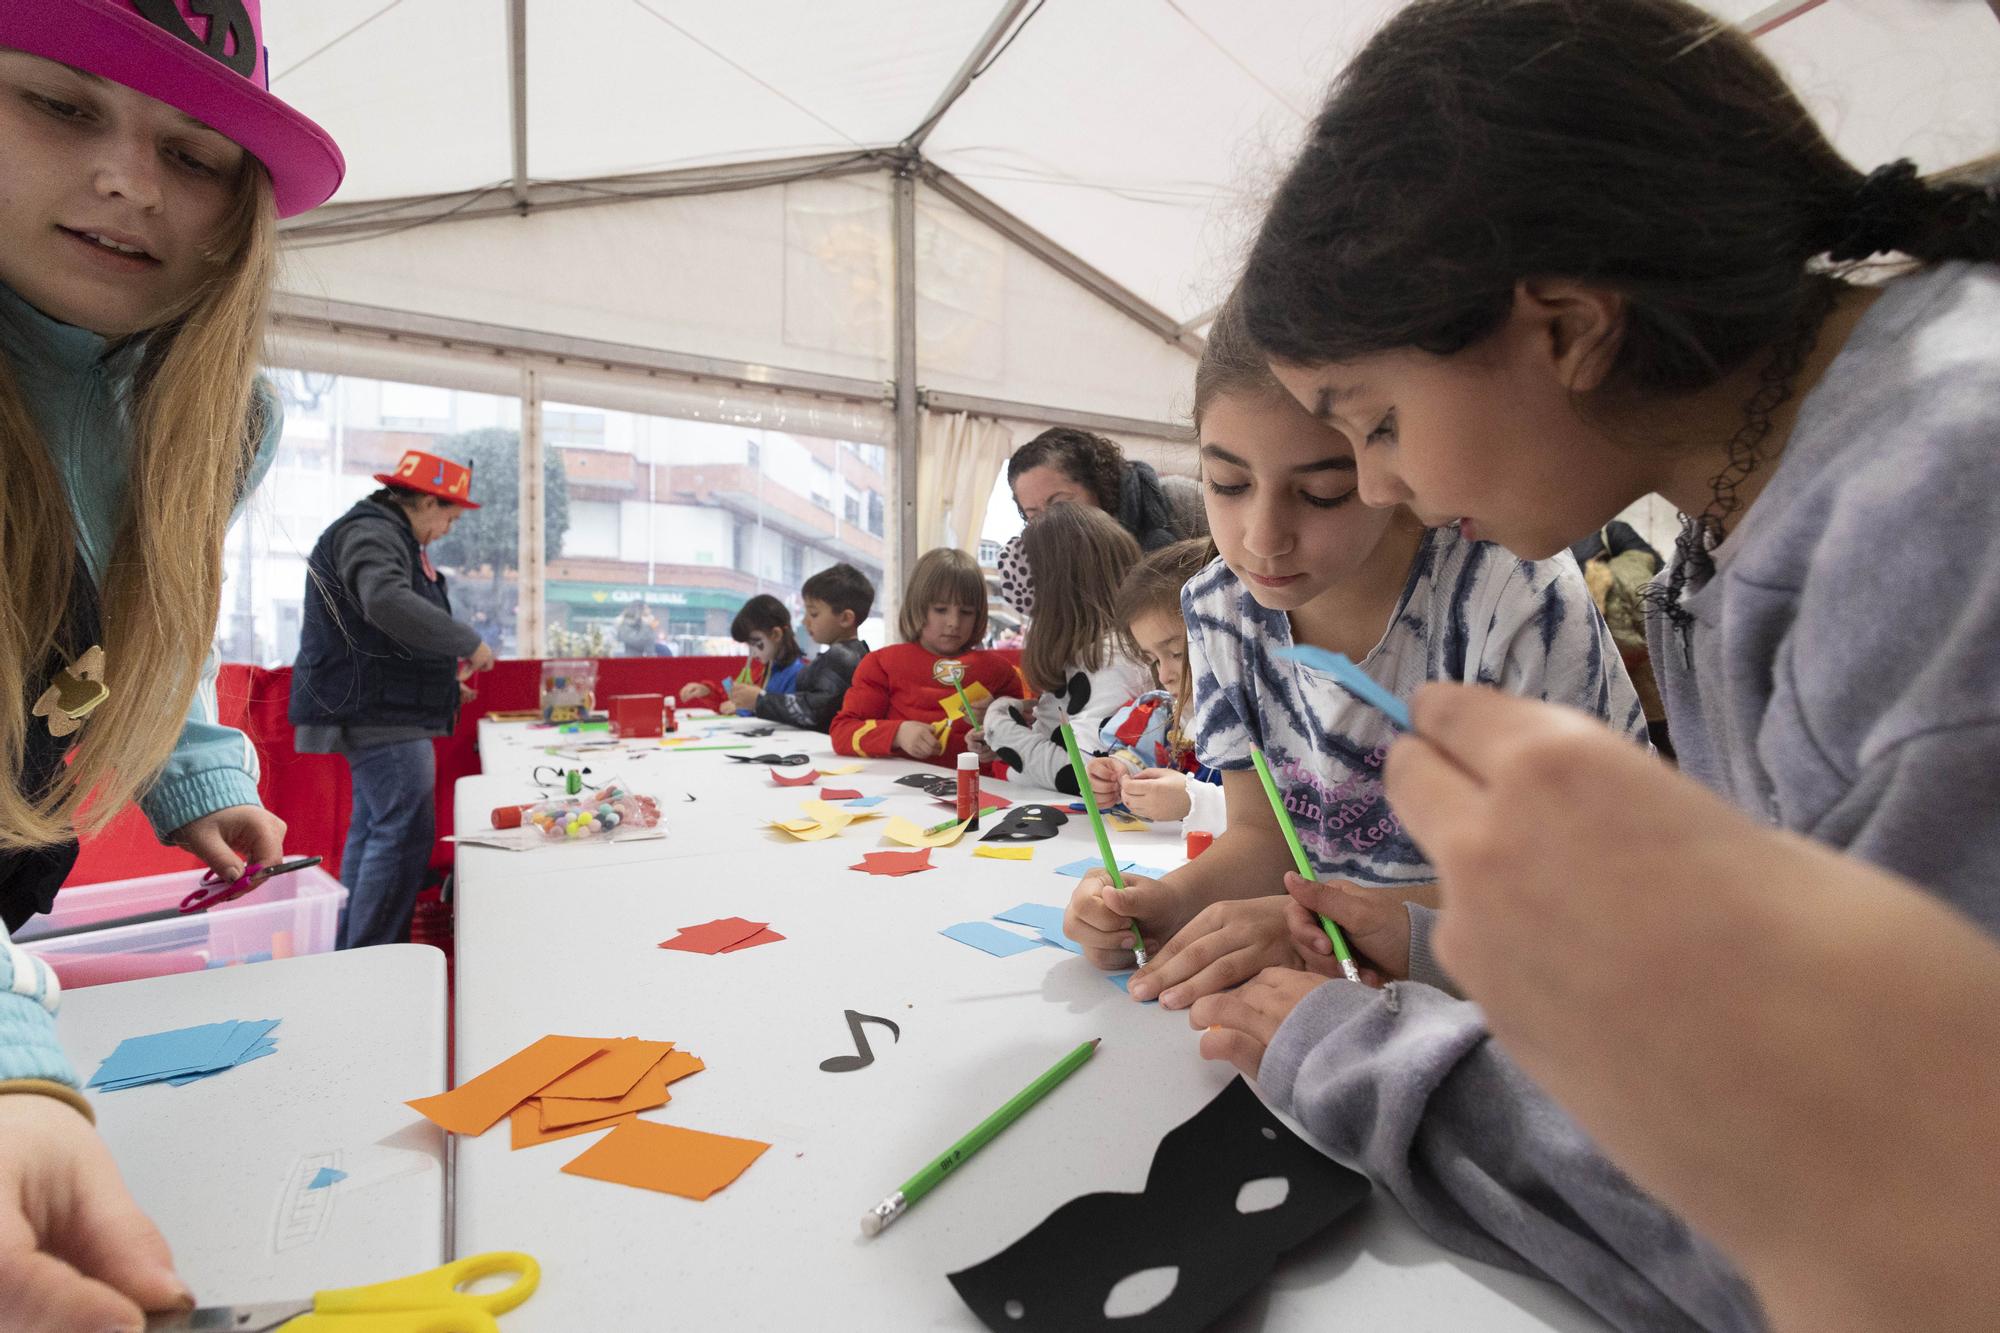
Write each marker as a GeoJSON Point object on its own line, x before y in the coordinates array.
{"type": "Point", "coordinates": [1263, 1194]}
{"type": "Point", "coordinates": [1142, 1292]}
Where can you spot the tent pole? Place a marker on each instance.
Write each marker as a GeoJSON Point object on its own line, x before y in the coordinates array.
{"type": "Point", "coordinates": [517, 97]}
{"type": "Point", "coordinates": [905, 195]}
{"type": "Point", "coordinates": [966, 73]}
{"type": "Point", "coordinates": [531, 557]}
{"type": "Point", "coordinates": [1093, 280]}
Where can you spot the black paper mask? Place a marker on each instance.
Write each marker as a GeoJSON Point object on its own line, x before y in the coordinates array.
{"type": "Point", "coordinates": [935, 784]}
{"type": "Point", "coordinates": [1059, 1275]}
{"type": "Point", "coordinates": [774, 760]}
{"type": "Point", "coordinates": [1028, 823]}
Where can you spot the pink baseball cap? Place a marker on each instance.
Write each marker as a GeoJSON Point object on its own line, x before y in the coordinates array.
{"type": "Point", "coordinates": [203, 57]}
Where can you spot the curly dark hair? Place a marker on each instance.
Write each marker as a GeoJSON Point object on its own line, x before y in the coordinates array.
{"type": "Point", "coordinates": [1091, 461]}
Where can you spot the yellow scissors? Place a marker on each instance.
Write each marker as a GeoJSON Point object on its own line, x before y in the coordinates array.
{"type": "Point", "coordinates": [432, 1302]}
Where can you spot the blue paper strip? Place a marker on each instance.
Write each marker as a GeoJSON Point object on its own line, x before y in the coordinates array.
{"type": "Point", "coordinates": [1358, 682]}
{"type": "Point", "coordinates": [986, 936]}
{"type": "Point", "coordinates": [327, 1176]}
{"type": "Point", "coordinates": [864, 802]}
{"type": "Point", "coordinates": [1078, 869]}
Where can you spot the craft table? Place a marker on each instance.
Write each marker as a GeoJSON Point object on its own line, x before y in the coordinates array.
{"type": "Point", "coordinates": [222, 1165]}
{"type": "Point", "coordinates": [547, 946]}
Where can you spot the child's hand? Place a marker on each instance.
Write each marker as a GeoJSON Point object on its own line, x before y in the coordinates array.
{"type": "Point", "coordinates": [75, 1251]}
{"type": "Point", "coordinates": [975, 741]}
{"type": "Point", "coordinates": [743, 695]}
{"type": "Point", "coordinates": [1100, 918]}
{"type": "Point", "coordinates": [976, 713]}
{"type": "Point", "coordinates": [693, 691]}
{"type": "Point", "coordinates": [1241, 1024]}
{"type": "Point", "coordinates": [1375, 922]}
{"type": "Point", "coordinates": [917, 740]}
{"type": "Point", "coordinates": [1105, 775]}
{"type": "Point", "coordinates": [1225, 944]}
{"type": "Point", "coordinates": [1157, 793]}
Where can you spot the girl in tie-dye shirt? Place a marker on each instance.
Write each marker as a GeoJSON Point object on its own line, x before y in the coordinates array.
{"type": "Point", "coordinates": [1304, 561]}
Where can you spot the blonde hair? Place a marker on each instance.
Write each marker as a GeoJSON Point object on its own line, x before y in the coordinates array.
{"type": "Point", "coordinates": [1076, 554]}
{"type": "Point", "coordinates": [944, 576]}
{"type": "Point", "coordinates": [1154, 585]}
{"type": "Point", "coordinates": [193, 436]}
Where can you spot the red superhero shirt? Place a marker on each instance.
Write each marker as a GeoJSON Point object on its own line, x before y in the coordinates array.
{"type": "Point", "coordinates": [906, 682]}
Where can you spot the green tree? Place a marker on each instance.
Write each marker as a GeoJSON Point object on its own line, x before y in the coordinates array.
{"type": "Point", "coordinates": [488, 538]}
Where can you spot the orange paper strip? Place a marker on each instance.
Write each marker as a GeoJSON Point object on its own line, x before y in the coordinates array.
{"type": "Point", "coordinates": [650, 1091]}
{"type": "Point", "coordinates": [475, 1106]}
{"type": "Point", "coordinates": [528, 1131]}
{"type": "Point", "coordinates": [667, 1158]}
{"type": "Point", "coordinates": [613, 1074]}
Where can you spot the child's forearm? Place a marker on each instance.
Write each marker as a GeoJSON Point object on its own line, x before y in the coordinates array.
{"type": "Point", "coordinates": [1241, 863]}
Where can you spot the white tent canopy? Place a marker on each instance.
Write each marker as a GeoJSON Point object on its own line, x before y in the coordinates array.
{"type": "Point", "coordinates": [678, 191]}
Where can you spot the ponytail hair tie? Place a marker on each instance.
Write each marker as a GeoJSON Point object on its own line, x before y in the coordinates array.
{"type": "Point", "coordinates": [1889, 209]}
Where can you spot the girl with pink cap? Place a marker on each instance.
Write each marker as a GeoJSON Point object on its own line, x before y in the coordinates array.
{"type": "Point", "coordinates": [143, 163]}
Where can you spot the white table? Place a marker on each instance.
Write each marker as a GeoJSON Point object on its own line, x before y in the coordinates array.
{"type": "Point", "coordinates": [554, 941]}
{"type": "Point", "coordinates": [222, 1165]}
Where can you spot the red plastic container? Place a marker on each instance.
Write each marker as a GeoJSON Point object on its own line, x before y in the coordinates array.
{"type": "Point", "coordinates": [637, 714]}
{"type": "Point", "coordinates": [1198, 842]}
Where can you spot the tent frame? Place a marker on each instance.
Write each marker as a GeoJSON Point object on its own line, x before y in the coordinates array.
{"type": "Point", "coordinates": [521, 196]}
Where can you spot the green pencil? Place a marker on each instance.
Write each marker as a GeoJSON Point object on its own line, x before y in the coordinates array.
{"type": "Point", "coordinates": [697, 749]}
{"type": "Point", "coordinates": [1097, 826]}
{"type": "Point", "coordinates": [939, 828]}
{"type": "Point", "coordinates": [1300, 859]}
{"type": "Point", "coordinates": [926, 1180]}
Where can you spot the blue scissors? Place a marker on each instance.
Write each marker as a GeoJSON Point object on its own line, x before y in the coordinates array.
{"type": "Point", "coordinates": [431, 1302]}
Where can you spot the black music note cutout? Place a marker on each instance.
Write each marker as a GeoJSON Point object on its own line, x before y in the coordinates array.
{"type": "Point", "coordinates": [843, 1064]}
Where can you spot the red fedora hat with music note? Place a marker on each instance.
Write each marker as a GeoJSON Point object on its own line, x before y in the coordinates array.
{"type": "Point", "coordinates": [420, 471]}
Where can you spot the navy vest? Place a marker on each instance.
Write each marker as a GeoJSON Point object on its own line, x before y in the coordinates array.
{"type": "Point", "coordinates": [348, 672]}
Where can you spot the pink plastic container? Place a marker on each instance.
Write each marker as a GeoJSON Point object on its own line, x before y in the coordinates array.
{"type": "Point", "coordinates": [92, 937]}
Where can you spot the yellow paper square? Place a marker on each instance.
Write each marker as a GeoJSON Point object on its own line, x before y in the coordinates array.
{"type": "Point", "coordinates": [1126, 824]}
{"type": "Point", "coordinates": [902, 830]}
{"type": "Point", "coordinates": [993, 851]}
{"type": "Point", "coordinates": [840, 772]}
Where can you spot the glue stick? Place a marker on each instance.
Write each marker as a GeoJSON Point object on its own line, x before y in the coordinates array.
{"type": "Point", "coordinates": [968, 790]}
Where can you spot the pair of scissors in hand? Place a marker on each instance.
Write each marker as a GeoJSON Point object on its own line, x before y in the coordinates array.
{"type": "Point", "coordinates": [215, 890]}
{"type": "Point", "coordinates": [431, 1302]}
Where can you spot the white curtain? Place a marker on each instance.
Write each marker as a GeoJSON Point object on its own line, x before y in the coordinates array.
{"type": "Point", "coordinates": [958, 459]}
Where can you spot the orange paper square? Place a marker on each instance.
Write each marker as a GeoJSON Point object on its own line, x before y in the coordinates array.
{"type": "Point", "coordinates": [475, 1106]}
{"type": "Point", "coordinates": [667, 1158]}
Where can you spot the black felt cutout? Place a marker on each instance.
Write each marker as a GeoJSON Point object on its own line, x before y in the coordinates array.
{"type": "Point", "coordinates": [774, 760]}
{"type": "Point", "coordinates": [1028, 823]}
{"type": "Point", "coordinates": [934, 784]}
{"type": "Point", "coordinates": [863, 1056]}
{"type": "Point", "coordinates": [755, 733]}
{"type": "Point", "coordinates": [1058, 1275]}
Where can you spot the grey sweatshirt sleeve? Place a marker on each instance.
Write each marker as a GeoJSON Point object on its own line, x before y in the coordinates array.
{"type": "Point", "coordinates": [1424, 966]}
{"type": "Point", "coordinates": [372, 565]}
{"type": "Point", "coordinates": [1406, 1085]}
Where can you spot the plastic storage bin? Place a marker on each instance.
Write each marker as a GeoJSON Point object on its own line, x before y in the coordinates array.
{"type": "Point", "coordinates": [132, 928]}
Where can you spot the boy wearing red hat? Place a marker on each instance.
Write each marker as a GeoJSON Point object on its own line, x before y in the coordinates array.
{"type": "Point", "coordinates": [378, 676]}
